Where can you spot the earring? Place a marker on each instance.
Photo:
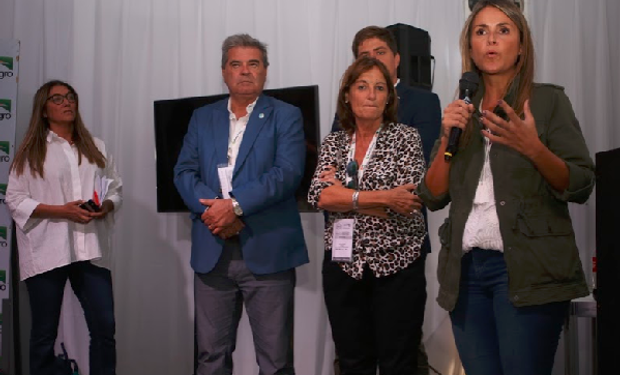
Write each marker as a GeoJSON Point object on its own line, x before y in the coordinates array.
{"type": "Point", "coordinates": [346, 101]}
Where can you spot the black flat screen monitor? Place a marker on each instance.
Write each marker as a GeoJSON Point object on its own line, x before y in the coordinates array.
{"type": "Point", "coordinates": [171, 122]}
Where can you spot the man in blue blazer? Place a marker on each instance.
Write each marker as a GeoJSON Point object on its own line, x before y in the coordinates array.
{"type": "Point", "coordinates": [241, 163]}
{"type": "Point", "coordinates": [417, 108]}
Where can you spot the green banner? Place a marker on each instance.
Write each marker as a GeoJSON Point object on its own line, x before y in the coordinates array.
{"type": "Point", "coordinates": [7, 62]}
{"type": "Point", "coordinates": [9, 68]}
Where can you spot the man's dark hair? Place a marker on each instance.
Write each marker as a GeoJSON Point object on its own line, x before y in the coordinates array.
{"type": "Point", "coordinates": [370, 32]}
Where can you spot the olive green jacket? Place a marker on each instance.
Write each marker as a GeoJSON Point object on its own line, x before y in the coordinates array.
{"type": "Point", "coordinates": [539, 243]}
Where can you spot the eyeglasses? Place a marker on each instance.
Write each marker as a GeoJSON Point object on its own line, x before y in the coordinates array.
{"type": "Point", "coordinates": [351, 179]}
{"type": "Point", "coordinates": [59, 99]}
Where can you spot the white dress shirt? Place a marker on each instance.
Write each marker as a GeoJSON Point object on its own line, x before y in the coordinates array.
{"type": "Point", "coordinates": [45, 244]}
{"type": "Point", "coordinates": [237, 129]}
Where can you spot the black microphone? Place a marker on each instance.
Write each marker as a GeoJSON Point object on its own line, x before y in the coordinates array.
{"type": "Point", "coordinates": [468, 84]}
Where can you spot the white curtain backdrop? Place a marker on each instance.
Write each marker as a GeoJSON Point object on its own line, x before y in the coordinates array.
{"type": "Point", "coordinates": [121, 55]}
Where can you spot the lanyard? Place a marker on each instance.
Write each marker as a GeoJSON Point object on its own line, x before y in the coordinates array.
{"type": "Point", "coordinates": [367, 157]}
{"type": "Point", "coordinates": [239, 131]}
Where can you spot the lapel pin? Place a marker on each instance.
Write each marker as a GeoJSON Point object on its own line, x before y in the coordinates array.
{"type": "Point", "coordinates": [261, 115]}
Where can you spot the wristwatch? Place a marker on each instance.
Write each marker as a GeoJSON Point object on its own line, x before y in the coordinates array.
{"type": "Point", "coordinates": [236, 207]}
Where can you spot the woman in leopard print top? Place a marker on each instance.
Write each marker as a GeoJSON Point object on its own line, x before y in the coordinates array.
{"type": "Point", "coordinates": [368, 292]}
{"type": "Point", "coordinates": [386, 243]}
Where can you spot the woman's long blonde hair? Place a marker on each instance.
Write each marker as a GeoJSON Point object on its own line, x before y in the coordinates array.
{"type": "Point", "coordinates": [34, 147]}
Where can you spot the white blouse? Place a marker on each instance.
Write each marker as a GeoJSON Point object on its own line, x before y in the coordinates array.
{"type": "Point", "coordinates": [482, 227]}
{"type": "Point", "coordinates": [45, 244]}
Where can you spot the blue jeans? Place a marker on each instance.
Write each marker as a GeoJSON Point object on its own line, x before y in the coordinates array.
{"type": "Point", "coordinates": [93, 287]}
{"type": "Point", "coordinates": [493, 336]}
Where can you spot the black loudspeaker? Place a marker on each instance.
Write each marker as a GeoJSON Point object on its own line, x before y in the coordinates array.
{"type": "Point", "coordinates": [608, 259]}
{"type": "Point", "coordinates": [414, 47]}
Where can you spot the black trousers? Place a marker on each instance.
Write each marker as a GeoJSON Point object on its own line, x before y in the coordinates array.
{"type": "Point", "coordinates": [376, 322]}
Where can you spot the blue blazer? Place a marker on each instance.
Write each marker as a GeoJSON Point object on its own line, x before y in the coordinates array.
{"type": "Point", "coordinates": [418, 108]}
{"type": "Point", "coordinates": [268, 170]}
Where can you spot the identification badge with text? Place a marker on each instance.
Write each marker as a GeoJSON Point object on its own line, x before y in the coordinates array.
{"type": "Point", "coordinates": [225, 174]}
{"type": "Point", "coordinates": [342, 240]}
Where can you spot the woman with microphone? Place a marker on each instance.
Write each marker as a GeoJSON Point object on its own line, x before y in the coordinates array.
{"type": "Point", "coordinates": [509, 264]}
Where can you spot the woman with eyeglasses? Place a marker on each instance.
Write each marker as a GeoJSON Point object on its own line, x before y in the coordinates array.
{"type": "Point", "coordinates": [58, 167]}
{"type": "Point", "coordinates": [374, 231]}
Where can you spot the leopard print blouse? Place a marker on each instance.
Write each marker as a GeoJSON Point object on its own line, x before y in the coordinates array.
{"type": "Point", "coordinates": [386, 245]}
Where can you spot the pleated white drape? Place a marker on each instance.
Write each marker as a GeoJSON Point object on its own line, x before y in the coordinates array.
{"type": "Point", "coordinates": [121, 55]}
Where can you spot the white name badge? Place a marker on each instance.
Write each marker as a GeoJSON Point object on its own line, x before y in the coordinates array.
{"type": "Point", "coordinates": [342, 240]}
{"type": "Point", "coordinates": [225, 174]}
